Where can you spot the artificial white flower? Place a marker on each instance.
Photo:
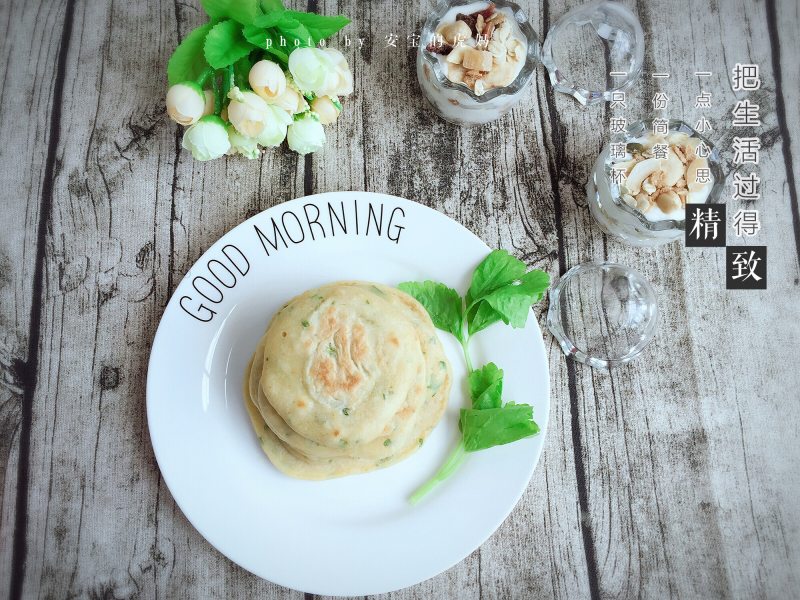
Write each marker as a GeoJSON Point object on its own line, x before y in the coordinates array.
{"type": "Point", "coordinates": [326, 108]}
{"type": "Point", "coordinates": [267, 80]}
{"type": "Point", "coordinates": [275, 127]}
{"type": "Point", "coordinates": [242, 145]}
{"type": "Point", "coordinates": [247, 112]}
{"type": "Point", "coordinates": [313, 70]}
{"type": "Point", "coordinates": [292, 101]}
{"type": "Point", "coordinates": [344, 83]}
{"type": "Point", "coordinates": [185, 103]}
{"type": "Point", "coordinates": [207, 139]}
{"type": "Point", "coordinates": [306, 134]}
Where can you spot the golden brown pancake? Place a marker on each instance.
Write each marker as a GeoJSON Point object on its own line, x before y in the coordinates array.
{"type": "Point", "coordinates": [349, 377]}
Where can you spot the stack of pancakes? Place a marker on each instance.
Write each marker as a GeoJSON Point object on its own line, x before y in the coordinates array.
{"type": "Point", "coordinates": [348, 378]}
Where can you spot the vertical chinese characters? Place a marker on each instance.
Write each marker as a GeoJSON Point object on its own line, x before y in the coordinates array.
{"type": "Point", "coordinates": [746, 266]}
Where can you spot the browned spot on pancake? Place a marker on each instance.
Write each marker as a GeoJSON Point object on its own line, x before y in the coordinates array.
{"type": "Point", "coordinates": [358, 345]}
{"type": "Point", "coordinates": [283, 333]}
{"type": "Point", "coordinates": [333, 380]}
{"type": "Point", "coordinates": [300, 404]}
{"type": "Point", "coordinates": [321, 370]}
{"type": "Point", "coordinates": [329, 322]}
{"type": "Point", "coordinates": [393, 340]}
{"type": "Point", "coordinates": [335, 433]}
{"type": "Point", "coordinates": [386, 429]}
{"type": "Point", "coordinates": [406, 412]}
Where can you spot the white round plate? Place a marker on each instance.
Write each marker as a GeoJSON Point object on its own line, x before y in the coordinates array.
{"type": "Point", "coordinates": [355, 535]}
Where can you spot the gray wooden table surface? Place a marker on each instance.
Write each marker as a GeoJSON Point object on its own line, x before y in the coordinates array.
{"type": "Point", "coordinates": [674, 477]}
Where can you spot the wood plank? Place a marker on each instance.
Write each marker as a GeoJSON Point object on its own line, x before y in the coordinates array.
{"type": "Point", "coordinates": [28, 61]}
{"type": "Point", "coordinates": [784, 41]}
{"type": "Point", "coordinates": [126, 210]}
{"type": "Point", "coordinates": [759, 463]}
{"type": "Point", "coordinates": [629, 498]}
{"type": "Point", "coordinates": [665, 454]}
{"type": "Point", "coordinates": [207, 200]}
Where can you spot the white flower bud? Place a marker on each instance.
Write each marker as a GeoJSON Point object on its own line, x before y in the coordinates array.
{"type": "Point", "coordinates": [267, 80]}
{"type": "Point", "coordinates": [326, 110]}
{"type": "Point", "coordinates": [240, 144]}
{"type": "Point", "coordinates": [207, 139]}
{"type": "Point", "coordinates": [247, 112]}
{"type": "Point", "coordinates": [313, 70]}
{"type": "Point", "coordinates": [306, 135]}
{"type": "Point", "coordinates": [275, 127]}
{"type": "Point", "coordinates": [291, 101]}
{"type": "Point", "coordinates": [185, 103]}
{"type": "Point", "coordinates": [344, 83]}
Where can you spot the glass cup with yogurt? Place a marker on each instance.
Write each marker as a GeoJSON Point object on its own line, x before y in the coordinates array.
{"type": "Point", "coordinates": [476, 59]}
{"type": "Point", "coordinates": [642, 182]}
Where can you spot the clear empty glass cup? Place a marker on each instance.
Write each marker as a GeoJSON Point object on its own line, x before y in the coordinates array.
{"type": "Point", "coordinates": [611, 44]}
{"type": "Point", "coordinates": [602, 314]}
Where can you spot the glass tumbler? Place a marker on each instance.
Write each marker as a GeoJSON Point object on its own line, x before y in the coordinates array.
{"type": "Point", "coordinates": [456, 102]}
{"type": "Point", "coordinates": [611, 40]}
{"type": "Point", "coordinates": [618, 218]}
{"type": "Point", "coordinates": [602, 314]}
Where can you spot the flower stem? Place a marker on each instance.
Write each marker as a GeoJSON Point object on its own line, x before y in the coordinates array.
{"type": "Point", "coordinates": [227, 82]}
{"type": "Point", "coordinates": [217, 96]}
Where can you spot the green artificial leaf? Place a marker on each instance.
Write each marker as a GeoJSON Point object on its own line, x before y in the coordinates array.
{"type": "Point", "coordinates": [243, 11]}
{"type": "Point", "coordinates": [499, 268]}
{"type": "Point", "coordinates": [295, 30]}
{"type": "Point", "coordinates": [443, 304]}
{"type": "Point", "coordinates": [241, 71]}
{"type": "Point", "coordinates": [258, 36]}
{"type": "Point", "coordinates": [320, 26]}
{"type": "Point", "coordinates": [486, 387]}
{"type": "Point", "coordinates": [490, 427]}
{"type": "Point", "coordinates": [188, 60]}
{"type": "Point", "coordinates": [270, 19]}
{"type": "Point", "coordinates": [275, 26]}
{"type": "Point", "coordinates": [279, 54]}
{"type": "Point", "coordinates": [268, 6]}
{"type": "Point", "coordinates": [225, 44]}
{"type": "Point", "coordinates": [213, 8]}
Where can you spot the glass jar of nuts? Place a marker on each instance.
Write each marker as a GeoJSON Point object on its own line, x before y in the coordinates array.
{"type": "Point", "coordinates": [643, 180]}
{"type": "Point", "coordinates": [476, 59]}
